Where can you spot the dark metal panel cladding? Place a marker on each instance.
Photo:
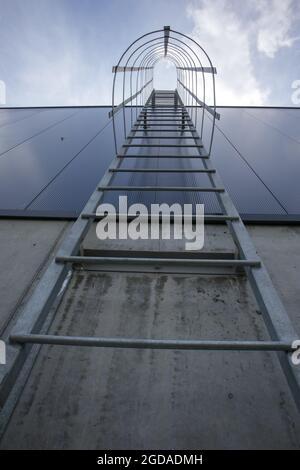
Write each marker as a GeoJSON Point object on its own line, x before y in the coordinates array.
{"type": "Point", "coordinates": [28, 169]}
{"type": "Point", "coordinates": [11, 116]}
{"type": "Point", "coordinates": [58, 155]}
{"type": "Point", "coordinates": [271, 154]}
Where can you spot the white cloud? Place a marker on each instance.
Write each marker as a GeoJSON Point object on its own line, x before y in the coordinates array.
{"type": "Point", "coordinates": [221, 32]}
{"type": "Point", "coordinates": [275, 20]}
{"type": "Point", "coordinates": [64, 80]}
{"type": "Point", "coordinates": [55, 64]}
{"type": "Point", "coordinates": [229, 39]}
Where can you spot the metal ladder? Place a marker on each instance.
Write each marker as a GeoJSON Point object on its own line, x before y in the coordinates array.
{"type": "Point", "coordinates": [166, 113]}
{"type": "Point", "coordinates": [163, 111]}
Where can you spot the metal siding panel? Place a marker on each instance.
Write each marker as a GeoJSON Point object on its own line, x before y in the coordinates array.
{"type": "Point", "coordinates": [26, 170]}
{"type": "Point", "coordinates": [49, 175]}
{"type": "Point", "coordinates": [272, 155]}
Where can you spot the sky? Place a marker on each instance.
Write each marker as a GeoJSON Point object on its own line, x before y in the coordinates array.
{"type": "Point", "coordinates": [60, 52]}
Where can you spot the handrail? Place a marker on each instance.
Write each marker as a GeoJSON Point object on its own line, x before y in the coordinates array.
{"type": "Point", "coordinates": [208, 108]}
{"type": "Point", "coordinates": [121, 105]}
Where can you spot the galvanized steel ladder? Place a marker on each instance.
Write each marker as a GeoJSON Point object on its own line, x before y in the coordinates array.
{"type": "Point", "coordinates": [163, 111]}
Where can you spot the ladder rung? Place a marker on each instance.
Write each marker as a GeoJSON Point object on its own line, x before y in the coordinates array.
{"type": "Point", "coordinates": [163, 156]}
{"type": "Point", "coordinates": [161, 137]}
{"type": "Point", "coordinates": [140, 343]}
{"type": "Point", "coordinates": [160, 125]}
{"type": "Point", "coordinates": [164, 120]}
{"type": "Point", "coordinates": [161, 188]}
{"type": "Point", "coordinates": [164, 113]}
{"type": "Point", "coordinates": [161, 117]}
{"type": "Point", "coordinates": [207, 217]}
{"type": "Point", "coordinates": [165, 261]}
{"type": "Point", "coordinates": [149, 117]}
{"type": "Point", "coordinates": [160, 170]}
{"type": "Point", "coordinates": [163, 145]}
{"type": "Point", "coordinates": [148, 113]}
{"type": "Point", "coordinates": [163, 130]}
{"type": "Point", "coordinates": [158, 112]}
{"type": "Point", "coordinates": [149, 104]}
{"type": "Point", "coordinates": [168, 106]}
{"type": "Point", "coordinates": [164, 107]}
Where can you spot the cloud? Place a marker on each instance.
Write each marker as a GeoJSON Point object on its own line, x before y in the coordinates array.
{"type": "Point", "coordinates": [227, 41]}
{"type": "Point", "coordinates": [62, 55]}
{"type": "Point", "coordinates": [67, 79]}
{"type": "Point", "coordinates": [232, 37]}
{"type": "Point", "coordinates": [276, 18]}
{"type": "Point", "coordinates": [51, 63]}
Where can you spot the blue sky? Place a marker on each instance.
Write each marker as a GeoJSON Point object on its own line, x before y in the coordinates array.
{"type": "Point", "coordinates": [60, 52]}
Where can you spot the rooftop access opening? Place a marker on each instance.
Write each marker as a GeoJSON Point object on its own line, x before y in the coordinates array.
{"type": "Point", "coordinates": [164, 75]}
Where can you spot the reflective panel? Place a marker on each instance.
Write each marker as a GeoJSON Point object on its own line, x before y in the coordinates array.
{"type": "Point", "coordinates": [11, 116]}
{"type": "Point", "coordinates": [71, 188]}
{"type": "Point", "coordinates": [24, 130]}
{"type": "Point", "coordinates": [270, 153]}
{"type": "Point", "coordinates": [28, 169]}
{"type": "Point", "coordinates": [51, 159]}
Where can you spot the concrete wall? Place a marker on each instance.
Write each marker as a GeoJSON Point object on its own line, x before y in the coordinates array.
{"type": "Point", "coordinates": [93, 398]}
{"type": "Point", "coordinates": [25, 247]}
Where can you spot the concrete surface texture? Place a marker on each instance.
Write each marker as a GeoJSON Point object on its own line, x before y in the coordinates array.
{"type": "Point", "coordinates": [25, 248]}
{"type": "Point", "coordinates": [91, 398]}
{"type": "Point", "coordinates": [279, 248]}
